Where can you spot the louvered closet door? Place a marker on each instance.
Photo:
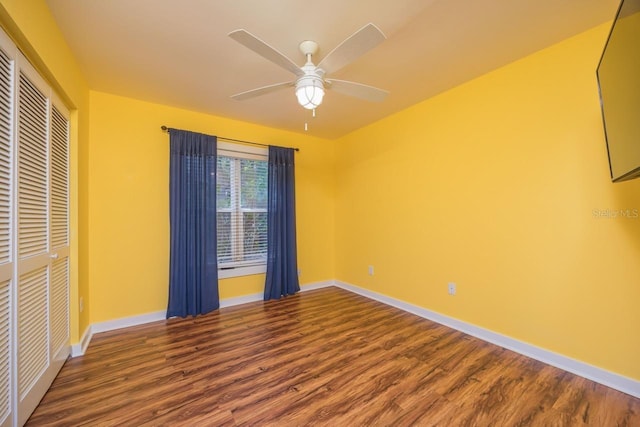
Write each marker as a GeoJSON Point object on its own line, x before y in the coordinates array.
{"type": "Point", "coordinates": [59, 235]}
{"type": "Point", "coordinates": [42, 255]}
{"type": "Point", "coordinates": [34, 236]}
{"type": "Point", "coordinates": [6, 265]}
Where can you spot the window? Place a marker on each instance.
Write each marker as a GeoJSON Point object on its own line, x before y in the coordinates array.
{"type": "Point", "coordinates": [241, 198]}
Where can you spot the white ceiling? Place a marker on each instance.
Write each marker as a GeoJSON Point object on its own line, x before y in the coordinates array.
{"type": "Point", "coordinates": [177, 52]}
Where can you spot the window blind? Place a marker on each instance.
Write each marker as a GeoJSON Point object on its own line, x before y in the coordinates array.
{"type": "Point", "coordinates": [241, 191]}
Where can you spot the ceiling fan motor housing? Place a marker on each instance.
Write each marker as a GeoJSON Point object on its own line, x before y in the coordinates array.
{"type": "Point", "coordinates": [308, 47]}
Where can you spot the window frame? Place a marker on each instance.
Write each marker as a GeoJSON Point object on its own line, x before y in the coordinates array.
{"type": "Point", "coordinates": [228, 149]}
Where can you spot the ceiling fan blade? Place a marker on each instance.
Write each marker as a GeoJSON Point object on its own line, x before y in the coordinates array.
{"type": "Point", "coordinates": [263, 49]}
{"type": "Point", "coordinates": [261, 91]}
{"type": "Point", "coordinates": [360, 42]}
{"type": "Point", "coordinates": [358, 90]}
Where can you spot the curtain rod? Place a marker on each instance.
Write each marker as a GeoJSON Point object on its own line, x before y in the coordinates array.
{"type": "Point", "coordinates": [166, 129]}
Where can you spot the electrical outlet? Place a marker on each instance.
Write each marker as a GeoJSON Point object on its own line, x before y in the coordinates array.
{"type": "Point", "coordinates": [371, 270]}
{"type": "Point", "coordinates": [452, 288]}
{"type": "Point", "coordinates": [299, 272]}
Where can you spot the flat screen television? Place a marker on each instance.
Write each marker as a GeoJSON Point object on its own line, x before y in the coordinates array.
{"type": "Point", "coordinates": [618, 76]}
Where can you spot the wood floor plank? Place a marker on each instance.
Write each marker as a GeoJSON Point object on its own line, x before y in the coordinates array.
{"type": "Point", "coordinates": [323, 357]}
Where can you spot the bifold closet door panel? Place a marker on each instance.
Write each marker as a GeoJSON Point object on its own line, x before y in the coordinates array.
{"type": "Point", "coordinates": [59, 235]}
{"type": "Point", "coordinates": [34, 235]}
{"type": "Point", "coordinates": [32, 239]}
{"type": "Point", "coordinates": [7, 65]}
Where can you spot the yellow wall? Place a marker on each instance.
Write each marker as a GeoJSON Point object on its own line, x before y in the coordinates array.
{"type": "Point", "coordinates": [32, 27]}
{"type": "Point", "coordinates": [500, 185]}
{"type": "Point", "coordinates": [129, 209]}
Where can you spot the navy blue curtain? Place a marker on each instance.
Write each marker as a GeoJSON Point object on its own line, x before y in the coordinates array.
{"type": "Point", "coordinates": [282, 258]}
{"type": "Point", "coordinates": [193, 269]}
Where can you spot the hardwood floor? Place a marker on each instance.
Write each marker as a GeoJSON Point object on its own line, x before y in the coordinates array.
{"type": "Point", "coordinates": [324, 357]}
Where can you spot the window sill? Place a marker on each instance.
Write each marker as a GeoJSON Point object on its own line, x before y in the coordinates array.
{"type": "Point", "coordinates": [242, 271]}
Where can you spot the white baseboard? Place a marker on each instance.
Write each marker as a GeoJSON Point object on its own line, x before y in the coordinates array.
{"type": "Point", "coordinates": [229, 302]}
{"type": "Point", "coordinates": [317, 285]}
{"type": "Point", "coordinates": [244, 299]}
{"type": "Point", "coordinates": [80, 348]}
{"type": "Point", "coordinates": [125, 322]}
{"type": "Point", "coordinates": [599, 375]}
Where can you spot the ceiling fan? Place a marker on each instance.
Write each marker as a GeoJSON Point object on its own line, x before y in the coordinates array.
{"type": "Point", "coordinates": [310, 82]}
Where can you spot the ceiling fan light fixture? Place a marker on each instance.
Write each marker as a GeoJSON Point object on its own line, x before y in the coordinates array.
{"type": "Point", "coordinates": [309, 91]}
{"type": "Point", "coordinates": [310, 78]}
